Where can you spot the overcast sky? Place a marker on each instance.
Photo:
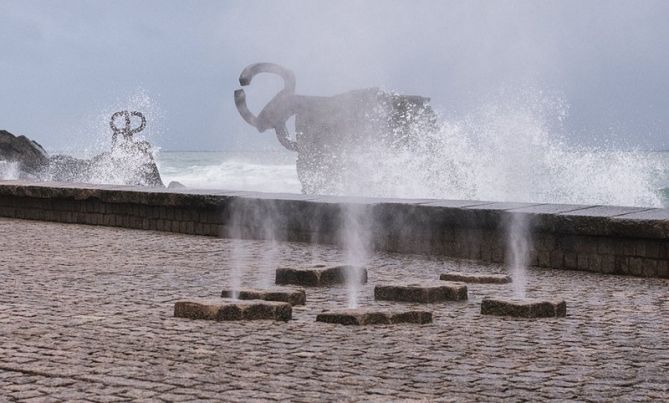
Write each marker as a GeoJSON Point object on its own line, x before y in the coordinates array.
{"type": "Point", "coordinates": [63, 64]}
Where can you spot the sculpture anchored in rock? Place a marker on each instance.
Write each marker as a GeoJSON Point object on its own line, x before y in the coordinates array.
{"type": "Point", "coordinates": [129, 161]}
{"type": "Point", "coordinates": [126, 132]}
{"type": "Point", "coordinates": [329, 128]}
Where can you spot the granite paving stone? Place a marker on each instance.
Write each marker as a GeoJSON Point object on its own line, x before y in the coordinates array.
{"type": "Point", "coordinates": [320, 275]}
{"type": "Point", "coordinates": [225, 309]}
{"type": "Point", "coordinates": [293, 296]}
{"type": "Point", "coordinates": [476, 278]}
{"type": "Point", "coordinates": [371, 316]}
{"type": "Point", "coordinates": [86, 313]}
{"type": "Point", "coordinates": [422, 292]}
{"type": "Point", "coordinates": [524, 307]}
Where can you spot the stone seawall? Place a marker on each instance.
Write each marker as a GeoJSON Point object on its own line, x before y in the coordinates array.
{"type": "Point", "coordinates": [606, 239]}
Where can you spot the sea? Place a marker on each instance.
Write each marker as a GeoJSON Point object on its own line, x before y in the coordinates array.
{"type": "Point", "coordinates": [628, 178]}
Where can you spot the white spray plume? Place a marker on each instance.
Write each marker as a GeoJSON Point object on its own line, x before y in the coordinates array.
{"type": "Point", "coordinates": [511, 149]}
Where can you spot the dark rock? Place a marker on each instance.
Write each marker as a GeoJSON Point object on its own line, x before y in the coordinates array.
{"type": "Point", "coordinates": [290, 295]}
{"type": "Point", "coordinates": [27, 153]}
{"type": "Point", "coordinates": [175, 185]}
{"type": "Point", "coordinates": [422, 292]}
{"type": "Point", "coordinates": [130, 163]}
{"type": "Point", "coordinates": [366, 316]}
{"type": "Point", "coordinates": [524, 308]}
{"type": "Point", "coordinates": [226, 310]}
{"type": "Point", "coordinates": [319, 275]}
{"type": "Point", "coordinates": [476, 278]}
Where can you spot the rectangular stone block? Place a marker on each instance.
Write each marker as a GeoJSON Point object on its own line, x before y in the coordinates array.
{"type": "Point", "coordinates": [229, 310]}
{"type": "Point", "coordinates": [524, 308]}
{"type": "Point", "coordinates": [319, 275]}
{"type": "Point", "coordinates": [582, 262]}
{"type": "Point", "coordinates": [426, 292]}
{"type": "Point", "coordinates": [607, 264]}
{"type": "Point", "coordinates": [570, 260]}
{"type": "Point", "coordinates": [621, 265]}
{"type": "Point", "coordinates": [557, 259]}
{"type": "Point", "coordinates": [369, 316]}
{"type": "Point", "coordinates": [543, 258]}
{"type": "Point", "coordinates": [290, 295]}
{"type": "Point", "coordinates": [476, 278]}
{"type": "Point", "coordinates": [663, 269]}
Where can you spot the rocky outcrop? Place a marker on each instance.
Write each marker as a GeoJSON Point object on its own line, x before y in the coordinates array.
{"type": "Point", "coordinates": [28, 154]}
{"type": "Point", "coordinates": [129, 163]}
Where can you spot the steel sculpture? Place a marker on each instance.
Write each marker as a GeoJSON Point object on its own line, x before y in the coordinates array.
{"type": "Point", "coordinates": [127, 131]}
{"type": "Point", "coordinates": [328, 127]}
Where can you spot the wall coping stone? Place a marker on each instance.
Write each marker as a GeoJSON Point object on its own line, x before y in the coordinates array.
{"type": "Point", "coordinates": [604, 221]}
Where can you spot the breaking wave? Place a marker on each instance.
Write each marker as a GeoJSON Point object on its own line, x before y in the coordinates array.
{"type": "Point", "coordinates": [505, 151]}
{"type": "Point", "coordinates": [266, 172]}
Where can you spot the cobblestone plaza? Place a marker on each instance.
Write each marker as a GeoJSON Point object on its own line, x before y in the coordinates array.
{"type": "Point", "coordinates": [86, 313]}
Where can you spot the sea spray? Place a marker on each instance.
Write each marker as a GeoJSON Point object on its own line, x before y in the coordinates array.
{"type": "Point", "coordinates": [124, 165]}
{"type": "Point", "coordinates": [90, 157]}
{"type": "Point", "coordinates": [9, 170]}
{"type": "Point", "coordinates": [511, 149]}
{"type": "Point", "coordinates": [262, 171]}
{"type": "Point", "coordinates": [94, 135]}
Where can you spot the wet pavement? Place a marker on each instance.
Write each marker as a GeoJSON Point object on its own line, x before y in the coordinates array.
{"type": "Point", "coordinates": [86, 313]}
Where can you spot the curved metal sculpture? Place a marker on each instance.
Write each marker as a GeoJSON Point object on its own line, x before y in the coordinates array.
{"type": "Point", "coordinates": [126, 132]}
{"type": "Point", "coordinates": [328, 127]}
{"type": "Point", "coordinates": [277, 112]}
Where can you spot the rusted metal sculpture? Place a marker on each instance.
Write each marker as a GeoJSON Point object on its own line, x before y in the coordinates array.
{"type": "Point", "coordinates": [327, 127]}
{"type": "Point", "coordinates": [127, 131]}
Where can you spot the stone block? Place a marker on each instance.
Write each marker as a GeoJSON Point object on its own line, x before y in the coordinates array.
{"type": "Point", "coordinates": [594, 263]}
{"type": "Point", "coordinates": [607, 264]}
{"type": "Point", "coordinates": [570, 260]}
{"type": "Point", "coordinates": [426, 292]}
{"type": "Point", "coordinates": [293, 296]}
{"type": "Point", "coordinates": [367, 316]}
{"type": "Point", "coordinates": [586, 244]}
{"type": "Point", "coordinates": [524, 308]}
{"type": "Point", "coordinates": [663, 252]}
{"type": "Point", "coordinates": [476, 278]}
{"type": "Point", "coordinates": [498, 254]}
{"type": "Point", "coordinates": [606, 247]}
{"type": "Point", "coordinates": [543, 258]}
{"type": "Point", "coordinates": [319, 275]}
{"type": "Point", "coordinates": [663, 269]}
{"type": "Point", "coordinates": [622, 266]}
{"type": "Point", "coordinates": [556, 259]}
{"type": "Point", "coordinates": [649, 267]}
{"type": "Point", "coordinates": [229, 310]}
{"type": "Point", "coordinates": [604, 211]}
{"type": "Point", "coordinates": [652, 249]}
{"type": "Point", "coordinates": [582, 262]}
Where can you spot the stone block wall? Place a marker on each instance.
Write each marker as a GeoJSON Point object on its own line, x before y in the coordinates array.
{"type": "Point", "coordinates": [616, 240]}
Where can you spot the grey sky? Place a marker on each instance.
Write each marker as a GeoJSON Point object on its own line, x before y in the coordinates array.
{"type": "Point", "coordinates": [64, 63]}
